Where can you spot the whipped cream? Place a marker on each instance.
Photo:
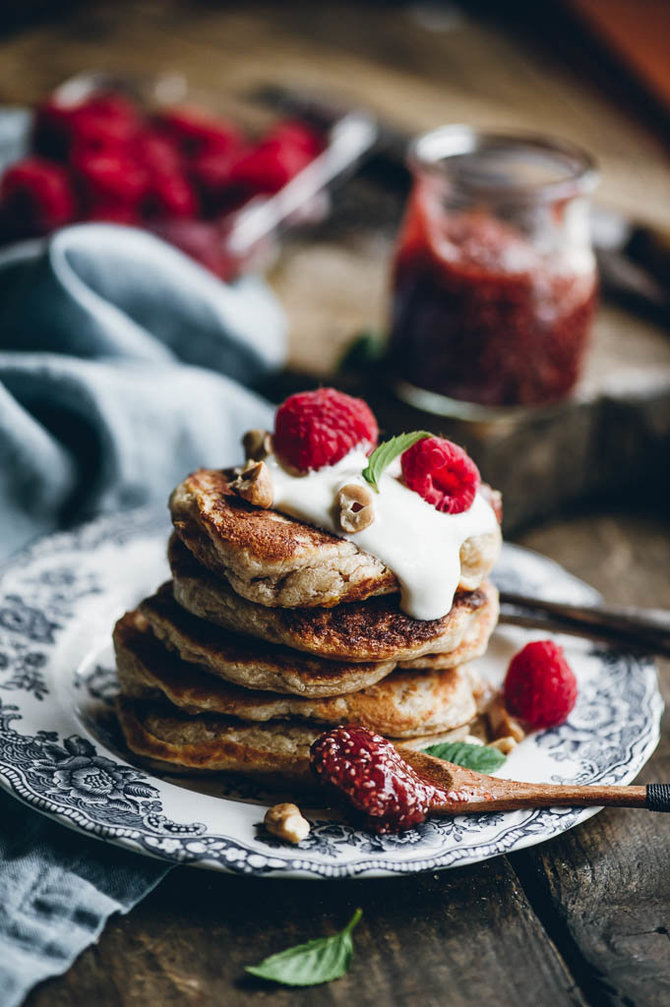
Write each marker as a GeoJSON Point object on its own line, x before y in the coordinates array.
{"type": "Point", "coordinates": [418, 543]}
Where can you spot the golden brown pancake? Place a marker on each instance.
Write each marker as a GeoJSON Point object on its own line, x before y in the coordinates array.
{"type": "Point", "coordinates": [371, 630]}
{"type": "Point", "coordinates": [275, 560]}
{"type": "Point", "coordinates": [277, 752]}
{"type": "Point", "coordinates": [404, 704]}
{"type": "Point", "coordinates": [254, 664]}
{"type": "Point", "coordinates": [161, 734]}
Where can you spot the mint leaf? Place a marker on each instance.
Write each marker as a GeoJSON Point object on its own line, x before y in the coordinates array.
{"type": "Point", "coordinates": [382, 456]}
{"type": "Point", "coordinates": [481, 758]}
{"type": "Point", "coordinates": [317, 961]}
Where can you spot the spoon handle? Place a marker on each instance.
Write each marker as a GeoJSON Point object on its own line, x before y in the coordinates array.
{"type": "Point", "coordinates": [654, 797]}
{"type": "Point", "coordinates": [474, 793]}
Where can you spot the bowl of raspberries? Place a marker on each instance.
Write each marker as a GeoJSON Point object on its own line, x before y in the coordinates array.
{"type": "Point", "coordinates": [97, 153]}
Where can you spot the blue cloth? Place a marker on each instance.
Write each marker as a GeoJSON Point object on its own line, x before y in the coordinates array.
{"type": "Point", "coordinates": [122, 367]}
{"type": "Point", "coordinates": [121, 363]}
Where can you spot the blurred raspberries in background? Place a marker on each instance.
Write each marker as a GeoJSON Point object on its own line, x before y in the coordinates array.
{"type": "Point", "coordinates": [177, 172]}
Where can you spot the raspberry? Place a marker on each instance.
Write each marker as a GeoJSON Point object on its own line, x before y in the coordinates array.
{"type": "Point", "coordinates": [314, 429]}
{"type": "Point", "coordinates": [170, 196]}
{"type": "Point", "coordinates": [113, 213]}
{"type": "Point", "coordinates": [110, 179]}
{"type": "Point", "coordinates": [372, 775]}
{"type": "Point", "coordinates": [156, 153]}
{"type": "Point", "coordinates": [195, 132]}
{"type": "Point", "coordinates": [36, 197]}
{"type": "Point", "coordinates": [211, 175]}
{"type": "Point", "coordinates": [297, 134]}
{"type": "Point", "coordinates": [268, 167]}
{"type": "Point", "coordinates": [441, 473]}
{"type": "Point", "coordinates": [540, 686]}
{"type": "Point", "coordinates": [104, 122]}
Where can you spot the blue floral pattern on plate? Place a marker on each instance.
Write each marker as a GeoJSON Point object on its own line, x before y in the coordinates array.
{"type": "Point", "coordinates": [58, 602]}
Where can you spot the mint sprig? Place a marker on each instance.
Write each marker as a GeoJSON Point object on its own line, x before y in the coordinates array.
{"type": "Point", "coordinates": [382, 456]}
{"type": "Point", "coordinates": [481, 758]}
{"type": "Point", "coordinates": [317, 961]}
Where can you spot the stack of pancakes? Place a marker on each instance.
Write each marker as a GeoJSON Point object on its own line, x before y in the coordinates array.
{"type": "Point", "coordinates": [271, 631]}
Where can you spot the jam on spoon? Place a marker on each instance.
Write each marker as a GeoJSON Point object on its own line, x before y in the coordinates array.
{"type": "Point", "coordinates": [375, 779]}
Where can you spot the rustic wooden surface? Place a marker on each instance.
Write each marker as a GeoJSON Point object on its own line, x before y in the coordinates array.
{"type": "Point", "coordinates": [585, 918]}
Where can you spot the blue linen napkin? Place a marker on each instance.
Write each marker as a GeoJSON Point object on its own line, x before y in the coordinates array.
{"type": "Point", "coordinates": [122, 367]}
{"type": "Point", "coordinates": [105, 402]}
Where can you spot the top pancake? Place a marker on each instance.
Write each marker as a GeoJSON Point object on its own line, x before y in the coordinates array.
{"type": "Point", "coordinates": [278, 561]}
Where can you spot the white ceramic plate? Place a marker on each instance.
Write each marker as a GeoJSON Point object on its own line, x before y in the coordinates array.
{"type": "Point", "coordinates": [60, 750]}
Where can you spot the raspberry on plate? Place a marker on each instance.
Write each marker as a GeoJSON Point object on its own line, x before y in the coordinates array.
{"type": "Point", "coordinates": [315, 429]}
{"type": "Point", "coordinates": [540, 686]}
{"type": "Point", "coordinates": [36, 197]}
{"type": "Point", "coordinates": [442, 473]}
{"type": "Point", "coordinates": [372, 775]}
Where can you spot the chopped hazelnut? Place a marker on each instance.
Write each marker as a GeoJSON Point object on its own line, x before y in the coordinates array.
{"type": "Point", "coordinates": [355, 507]}
{"type": "Point", "coordinates": [254, 484]}
{"type": "Point", "coordinates": [286, 822]}
{"type": "Point", "coordinates": [257, 444]}
{"type": "Point", "coordinates": [501, 723]}
{"type": "Point", "coordinates": [504, 745]}
{"type": "Point", "coordinates": [141, 622]}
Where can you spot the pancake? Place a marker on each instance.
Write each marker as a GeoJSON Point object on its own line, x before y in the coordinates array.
{"type": "Point", "coordinates": [277, 752]}
{"type": "Point", "coordinates": [404, 704]}
{"type": "Point", "coordinates": [275, 560]}
{"type": "Point", "coordinates": [473, 644]}
{"type": "Point", "coordinates": [371, 630]}
{"type": "Point", "coordinates": [254, 664]}
{"type": "Point", "coordinates": [171, 740]}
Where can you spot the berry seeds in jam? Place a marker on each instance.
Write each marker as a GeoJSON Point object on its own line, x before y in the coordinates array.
{"type": "Point", "coordinates": [373, 777]}
{"type": "Point", "coordinates": [494, 288]}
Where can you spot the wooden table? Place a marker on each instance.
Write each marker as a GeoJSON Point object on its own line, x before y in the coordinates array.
{"type": "Point", "coordinates": [583, 919]}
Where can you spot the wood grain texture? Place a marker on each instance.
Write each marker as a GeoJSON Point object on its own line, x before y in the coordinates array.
{"type": "Point", "coordinates": [585, 918]}
{"type": "Point", "coordinates": [603, 890]}
{"type": "Point", "coordinates": [463, 937]}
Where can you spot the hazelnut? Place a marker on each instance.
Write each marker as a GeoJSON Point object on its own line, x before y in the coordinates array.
{"type": "Point", "coordinates": [504, 745]}
{"type": "Point", "coordinates": [286, 822]}
{"type": "Point", "coordinates": [254, 484]}
{"type": "Point", "coordinates": [257, 444]}
{"type": "Point", "coordinates": [355, 507]}
{"type": "Point", "coordinates": [501, 723]}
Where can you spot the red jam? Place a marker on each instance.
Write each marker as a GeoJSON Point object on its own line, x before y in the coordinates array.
{"type": "Point", "coordinates": [373, 777]}
{"type": "Point", "coordinates": [481, 314]}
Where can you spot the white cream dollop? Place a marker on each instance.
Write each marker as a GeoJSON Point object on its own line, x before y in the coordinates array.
{"type": "Point", "coordinates": [413, 539]}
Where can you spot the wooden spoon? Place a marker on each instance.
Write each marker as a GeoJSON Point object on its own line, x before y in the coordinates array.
{"type": "Point", "coordinates": [477, 792]}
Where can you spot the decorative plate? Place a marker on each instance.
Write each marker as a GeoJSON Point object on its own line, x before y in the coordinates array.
{"type": "Point", "coordinates": [60, 750]}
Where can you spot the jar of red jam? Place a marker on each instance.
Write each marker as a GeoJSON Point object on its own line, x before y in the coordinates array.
{"type": "Point", "coordinates": [494, 278]}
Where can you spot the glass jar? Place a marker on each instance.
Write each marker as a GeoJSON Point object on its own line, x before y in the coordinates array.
{"type": "Point", "coordinates": [494, 278]}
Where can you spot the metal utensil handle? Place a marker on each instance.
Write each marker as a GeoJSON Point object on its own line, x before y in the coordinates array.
{"type": "Point", "coordinates": [650, 627]}
{"type": "Point", "coordinates": [350, 138]}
